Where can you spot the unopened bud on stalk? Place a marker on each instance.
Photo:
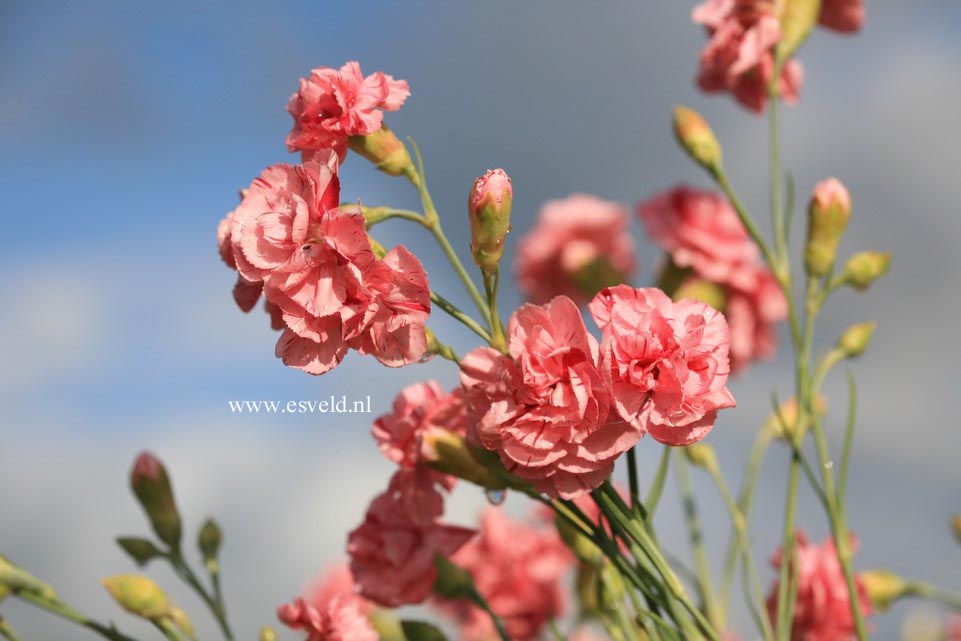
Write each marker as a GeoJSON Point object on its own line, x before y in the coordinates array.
{"type": "Point", "coordinates": [864, 268]}
{"type": "Point", "coordinates": [151, 485]}
{"type": "Point", "coordinates": [449, 453]}
{"type": "Point", "coordinates": [797, 18]}
{"type": "Point", "coordinates": [828, 216]}
{"type": "Point", "coordinates": [208, 541]}
{"type": "Point", "coordinates": [489, 207]}
{"type": "Point", "coordinates": [855, 340]}
{"type": "Point", "coordinates": [14, 579]}
{"type": "Point", "coordinates": [884, 588]}
{"type": "Point", "coordinates": [956, 526]}
{"type": "Point", "coordinates": [702, 290]}
{"type": "Point", "coordinates": [385, 151]}
{"type": "Point", "coordinates": [267, 633]}
{"type": "Point", "coordinates": [702, 455]}
{"type": "Point", "coordinates": [789, 413]}
{"type": "Point", "coordinates": [583, 548]}
{"type": "Point", "coordinates": [182, 621]}
{"type": "Point", "coordinates": [139, 596]}
{"type": "Point", "coordinates": [697, 139]}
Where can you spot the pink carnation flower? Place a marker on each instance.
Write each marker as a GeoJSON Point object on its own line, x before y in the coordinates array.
{"type": "Point", "coordinates": [392, 552]}
{"type": "Point", "coordinates": [335, 581]}
{"type": "Point", "coordinates": [823, 608]}
{"type": "Point", "coordinates": [332, 105]}
{"type": "Point", "coordinates": [667, 362]}
{"type": "Point", "coordinates": [701, 231]}
{"type": "Point", "coordinates": [517, 568]}
{"type": "Point", "coordinates": [418, 410]}
{"type": "Point", "coordinates": [315, 265]}
{"type": "Point", "coordinates": [738, 57]}
{"type": "Point", "coordinates": [845, 16]}
{"type": "Point", "coordinates": [545, 408]}
{"type": "Point", "coordinates": [341, 619]}
{"type": "Point", "coordinates": [580, 245]}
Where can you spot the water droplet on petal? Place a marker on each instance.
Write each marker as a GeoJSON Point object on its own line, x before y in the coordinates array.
{"type": "Point", "coordinates": [495, 497]}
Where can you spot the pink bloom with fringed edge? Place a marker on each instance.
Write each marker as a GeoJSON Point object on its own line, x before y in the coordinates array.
{"type": "Point", "coordinates": [545, 408]}
{"type": "Point", "coordinates": [701, 231]}
{"type": "Point", "coordinates": [579, 246]}
{"type": "Point", "coordinates": [335, 581]}
{"type": "Point", "coordinates": [844, 16]}
{"type": "Point", "coordinates": [418, 410]}
{"type": "Point", "coordinates": [517, 568]}
{"type": "Point", "coordinates": [822, 611]}
{"type": "Point", "coordinates": [333, 104]}
{"type": "Point", "coordinates": [738, 57]}
{"type": "Point", "coordinates": [667, 362]}
{"type": "Point", "coordinates": [392, 552]}
{"type": "Point", "coordinates": [341, 619]}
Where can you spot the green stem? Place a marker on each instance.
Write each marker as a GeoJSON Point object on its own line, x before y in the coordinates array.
{"type": "Point", "coordinates": [7, 632]}
{"type": "Point", "coordinates": [702, 566]}
{"type": "Point", "coordinates": [657, 486]}
{"type": "Point", "coordinates": [632, 480]}
{"type": "Point", "coordinates": [432, 222]}
{"type": "Point", "coordinates": [933, 593]}
{"type": "Point", "coordinates": [64, 611]}
{"type": "Point", "coordinates": [216, 609]}
{"type": "Point", "coordinates": [749, 224]}
{"type": "Point", "coordinates": [457, 314]}
{"type": "Point", "coordinates": [777, 212]}
{"type": "Point", "coordinates": [555, 631]}
{"type": "Point", "coordinates": [482, 603]}
{"type": "Point", "coordinates": [491, 285]}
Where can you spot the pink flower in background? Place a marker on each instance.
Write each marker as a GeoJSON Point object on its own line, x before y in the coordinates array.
{"type": "Point", "coordinates": [823, 608]}
{"type": "Point", "coordinates": [845, 16]}
{"type": "Point", "coordinates": [545, 408]}
{"type": "Point", "coordinates": [738, 57]}
{"type": "Point", "coordinates": [752, 315]}
{"type": "Point", "coordinates": [667, 362]}
{"type": "Point", "coordinates": [953, 629]}
{"type": "Point", "coordinates": [517, 568]}
{"type": "Point", "coordinates": [392, 552]}
{"type": "Point", "coordinates": [341, 619]}
{"type": "Point", "coordinates": [335, 581]}
{"type": "Point", "coordinates": [700, 230]}
{"type": "Point", "coordinates": [418, 410]}
{"type": "Point", "coordinates": [579, 246]}
{"type": "Point", "coordinates": [333, 104]}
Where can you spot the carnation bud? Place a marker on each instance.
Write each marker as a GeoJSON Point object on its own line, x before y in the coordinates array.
{"type": "Point", "coordinates": [595, 275]}
{"type": "Point", "coordinates": [797, 18]}
{"type": "Point", "coordinates": [884, 588]}
{"type": "Point", "coordinates": [15, 579]}
{"type": "Point", "coordinates": [956, 526]}
{"type": "Point", "coordinates": [702, 455]}
{"type": "Point", "coordinates": [142, 551]}
{"type": "Point", "coordinates": [139, 596]}
{"type": "Point", "coordinates": [788, 412]}
{"type": "Point", "coordinates": [208, 541]}
{"type": "Point", "coordinates": [267, 633]}
{"type": "Point", "coordinates": [450, 453]}
{"type": "Point", "coordinates": [864, 268]}
{"type": "Point", "coordinates": [583, 548]}
{"type": "Point", "coordinates": [151, 485]}
{"type": "Point", "coordinates": [182, 621]}
{"type": "Point", "coordinates": [386, 625]}
{"type": "Point", "coordinates": [696, 137]}
{"type": "Point", "coordinates": [489, 207]}
{"type": "Point", "coordinates": [828, 216]}
{"type": "Point", "coordinates": [385, 151]}
{"type": "Point", "coordinates": [701, 290]}
{"type": "Point", "coordinates": [855, 340]}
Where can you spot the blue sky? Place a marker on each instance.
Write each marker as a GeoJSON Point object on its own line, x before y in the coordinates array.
{"type": "Point", "coordinates": [127, 129]}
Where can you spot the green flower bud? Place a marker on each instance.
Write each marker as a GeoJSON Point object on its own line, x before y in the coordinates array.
{"type": "Point", "coordinates": [855, 340]}
{"type": "Point", "coordinates": [702, 290]}
{"type": "Point", "coordinates": [702, 455]}
{"type": "Point", "coordinates": [208, 541]}
{"type": "Point", "coordinates": [697, 139]}
{"type": "Point", "coordinates": [385, 151]}
{"type": "Point", "coordinates": [267, 633]}
{"type": "Point", "coordinates": [449, 453]}
{"type": "Point", "coordinates": [864, 268]}
{"type": "Point", "coordinates": [797, 18]}
{"type": "Point", "coordinates": [489, 208]}
{"type": "Point", "coordinates": [151, 485]}
{"type": "Point", "coordinates": [14, 579]}
{"type": "Point", "coordinates": [828, 216]}
{"type": "Point", "coordinates": [884, 588]}
{"type": "Point", "coordinates": [139, 596]}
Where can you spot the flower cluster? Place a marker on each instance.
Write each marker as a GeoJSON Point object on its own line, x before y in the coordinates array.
{"type": "Point", "coordinates": [331, 610]}
{"type": "Point", "coordinates": [739, 57]}
{"type": "Point", "coordinates": [560, 408]}
{"type": "Point", "coordinates": [701, 233]}
{"type": "Point", "coordinates": [290, 240]}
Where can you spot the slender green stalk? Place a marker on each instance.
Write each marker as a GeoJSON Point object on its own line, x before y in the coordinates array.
{"type": "Point", "coordinates": [482, 603]}
{"type": "Point", "coordinates": [848, 441]}
{"type": "Point", "coordinates": [702, 566]}
{"type": "Point", "coordinates": [432, 223]}
{"type": "Point", "coordinates": [777, 212]}
{"type": "Point", "coordinates": [555, 631]}
{"type": "Point", "coordinates": [657, 485]}
{"type": "Point", "coordinates": [491, 285]}
{"type": "Point", "coordinates": [632, 479]}
{"type": "Point", "coordinates": [64, 611]}
{"type": "Point", "coordinates": [7, 632]}
{"type": "Point", "coordinates": [457, 314]}
{"type": "Point", "coordinates": [933, 593]}
{"type": "Point", "coordinates": [216, 608]}
{"type": "Point", "coordinates": [749, 224]}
